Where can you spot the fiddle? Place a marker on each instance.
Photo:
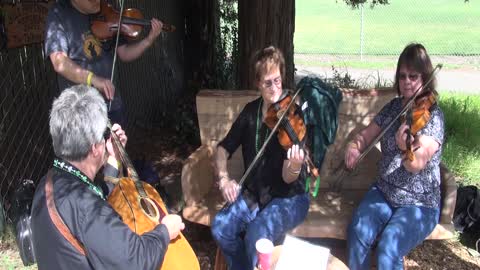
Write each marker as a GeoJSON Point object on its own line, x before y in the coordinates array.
{"type": "Point", "coordinates": [417, 117]}
{"type": "Point", "coordinates": [105, 24]}
{"type": "Point", "coordinates": [292, 130]}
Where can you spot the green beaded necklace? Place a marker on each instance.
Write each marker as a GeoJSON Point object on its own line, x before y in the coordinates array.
{"type": "Point", "coordinates": [257, 133]}
{"type": "Point", "coordinates": [62, 165]}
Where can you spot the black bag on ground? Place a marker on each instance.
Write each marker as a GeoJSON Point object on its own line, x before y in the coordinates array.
{"type": "Point", "coordinates": [466, 217]}
{"type": "Point", "coordinates": [21, 209]}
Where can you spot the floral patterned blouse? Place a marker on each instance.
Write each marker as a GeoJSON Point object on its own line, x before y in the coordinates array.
{"type": "Point", "coordinates": [399, 186]}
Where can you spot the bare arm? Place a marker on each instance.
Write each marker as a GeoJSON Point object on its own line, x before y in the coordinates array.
{"type": "Point", "coordinates": [73, 72]}
{"type": "Point", "coordinates": [228, 187]}
{"type": "Point", "coordinates": [360, 143]}
{"type": "Point", "coordinates": [67, 68]}
{"type": "Point", "coordinates": [220, 159]}
{"type": "Point", "coordinates": [130, 52]}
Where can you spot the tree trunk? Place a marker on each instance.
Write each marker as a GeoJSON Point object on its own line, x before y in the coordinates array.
{"type": "Point", "coordinates": [201, 23]}
{"type": "Point", "coordinates": [262, 23]}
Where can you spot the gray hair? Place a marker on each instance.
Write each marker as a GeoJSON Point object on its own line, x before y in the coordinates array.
{"type": "Point", "coordinates": [77, 121]}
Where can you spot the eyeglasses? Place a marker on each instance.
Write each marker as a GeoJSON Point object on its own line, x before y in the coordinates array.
{"type": "Point", "coordinates": [413, 77]}
{"type": "Point", "coordinates": [107, 133]}
{"type": "Point", "coordinates": [269, 83]}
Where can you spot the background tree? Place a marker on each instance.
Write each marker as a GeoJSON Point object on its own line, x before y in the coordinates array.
{"type": "Point", "coordinates": [260, 24]}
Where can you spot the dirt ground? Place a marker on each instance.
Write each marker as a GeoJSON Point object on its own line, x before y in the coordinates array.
{"type": "Point", "coordinates": [162, 149]}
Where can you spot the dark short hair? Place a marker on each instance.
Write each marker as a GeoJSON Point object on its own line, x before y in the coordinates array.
{"type": "Point", "coordinates": [415, 57]}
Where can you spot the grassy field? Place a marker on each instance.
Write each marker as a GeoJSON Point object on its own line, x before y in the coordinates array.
{"type": "Point", "coordinates": [445, 27]}
{"type": "Point", "coordinates": [461, 151]}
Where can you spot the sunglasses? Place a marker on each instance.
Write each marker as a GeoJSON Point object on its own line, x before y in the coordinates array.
{"type": "Point", "coordinates": [413, 77]}
{"type": "Point", "coordinates": [269, 83]}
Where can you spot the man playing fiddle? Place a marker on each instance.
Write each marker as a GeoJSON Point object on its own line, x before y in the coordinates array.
{"type": "Point", "coordinates": [99, 239]}
{"type": "Point", "coordinates": [80, 58]}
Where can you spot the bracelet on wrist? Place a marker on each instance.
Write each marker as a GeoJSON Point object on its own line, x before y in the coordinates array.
{"type": "Point", "coordinates": [293, 171]}
{"type": "Point", "coordinates": [353, 145]}
{"type": "Point", "coordinates": [221, 181]}
{"type": "Point", "coordinates": [89, 78]}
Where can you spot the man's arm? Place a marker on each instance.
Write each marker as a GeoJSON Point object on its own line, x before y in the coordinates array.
{"type": "Point", "coordinates": [130, 52]}
{"type": "Point", "coordinates": [73, 72]}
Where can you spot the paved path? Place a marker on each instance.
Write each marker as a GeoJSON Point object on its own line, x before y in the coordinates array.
{"type": "Point", "coordinates": [465, 81]}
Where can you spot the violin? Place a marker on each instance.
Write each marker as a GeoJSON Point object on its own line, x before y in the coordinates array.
{"type": "Point", "coordinates": [292, 129]}
{"type": "Point", "coordinates": [417, 117]}
{"type": "Point", "coordinates": [105, 24]}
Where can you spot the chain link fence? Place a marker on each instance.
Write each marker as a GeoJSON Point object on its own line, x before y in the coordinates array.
{"type": "Point", "coordinates": [151, 88]}
{"type": "Point", "coordinates": [446, 28]}
{"type": "Point", "coordinates": [27, 87]}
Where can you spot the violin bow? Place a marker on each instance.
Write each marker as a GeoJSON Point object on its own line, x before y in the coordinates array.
{"type": "Point", "coordinates": [262, 149]}
{"type": "Point", "coordinates": [341, 171]}
{"type": "Point", "coordinates": [117, 38]}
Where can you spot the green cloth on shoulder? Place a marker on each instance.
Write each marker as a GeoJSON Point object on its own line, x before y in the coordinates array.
{"type": "Point", "coordinates": [320, 115]}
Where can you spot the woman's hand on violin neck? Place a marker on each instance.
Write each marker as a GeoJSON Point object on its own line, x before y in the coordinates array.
{"type": "Point", "coordinates": [401, 137]}
{"type": "Point", "coordinates": [229, 189]}
{"type": "Point", "coordinates": [295, 156]}
{"type": "Point", "coordinates": [155, 31]}
{"type": "Point", "coordinates": [105, 86]}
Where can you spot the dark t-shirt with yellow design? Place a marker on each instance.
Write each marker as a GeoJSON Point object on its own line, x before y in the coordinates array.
{"type": "Point", "coordinates": [68, 30]}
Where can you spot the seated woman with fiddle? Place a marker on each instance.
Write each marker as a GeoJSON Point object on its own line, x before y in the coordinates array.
{"type": "Point", "coordinates": [273, 199]}
{"type": "Point", "coordinates": [402, 207]}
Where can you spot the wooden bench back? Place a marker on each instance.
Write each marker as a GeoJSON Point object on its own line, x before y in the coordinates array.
{"type": "Point", "coordinates": [218, 109]}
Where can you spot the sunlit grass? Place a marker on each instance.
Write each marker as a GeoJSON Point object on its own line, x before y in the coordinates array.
{"type": "Point", "coordinates": [461, 150]}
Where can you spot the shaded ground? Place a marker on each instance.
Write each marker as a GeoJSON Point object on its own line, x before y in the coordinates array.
{"type": "Point", "coordinates": [167, 154]}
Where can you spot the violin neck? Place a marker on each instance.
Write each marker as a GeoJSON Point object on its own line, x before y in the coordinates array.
{"type": "Point", "coordinates": [122, 153]}
{"type": "Point", "coordinates": [136, 21]}
{"type": "Point", "coordinates": [165, 26]}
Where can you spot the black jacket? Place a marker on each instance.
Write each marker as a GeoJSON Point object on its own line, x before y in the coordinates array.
{"type": "Point", "coordinates": [109, 243]}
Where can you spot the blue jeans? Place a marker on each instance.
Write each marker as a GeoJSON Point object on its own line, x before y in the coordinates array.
{"type": "Point", "coordinates": [398, 229]}
{"type": "Point", "coordinates": [272, 222]}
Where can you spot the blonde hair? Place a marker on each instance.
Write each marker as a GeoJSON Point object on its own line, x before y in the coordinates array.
{"type": "Point", "coordinates": [266, 59]}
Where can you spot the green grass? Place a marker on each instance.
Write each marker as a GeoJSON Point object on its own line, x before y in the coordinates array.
{"type": "Point", "coordinates": [461, 150]}
{"type": "Point", "coordinates": [445, 27]}
{"type": "Point", "coordinates": [9, 255]}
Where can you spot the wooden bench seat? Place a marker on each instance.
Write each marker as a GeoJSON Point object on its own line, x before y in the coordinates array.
{"type": "Point", "coordinates": [329, 213]}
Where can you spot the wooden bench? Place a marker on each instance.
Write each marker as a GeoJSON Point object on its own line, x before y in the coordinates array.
{"type": "Point", "coordinates": [329, 213]}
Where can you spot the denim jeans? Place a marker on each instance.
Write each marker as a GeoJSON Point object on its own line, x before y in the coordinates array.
{"type": "Point", "coordinates": [397, 229]}
{"type": "Point", "coordinates": [273, 221]}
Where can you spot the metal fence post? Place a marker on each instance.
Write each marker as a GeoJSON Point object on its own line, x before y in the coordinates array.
{"type": "Point", "coordinates": [361, 32]}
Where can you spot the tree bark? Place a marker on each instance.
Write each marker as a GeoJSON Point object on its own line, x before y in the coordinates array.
{"type": "Point", "coordinates": [262, 23]}
{"type": "Point", "coordinates": [201, 23]}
